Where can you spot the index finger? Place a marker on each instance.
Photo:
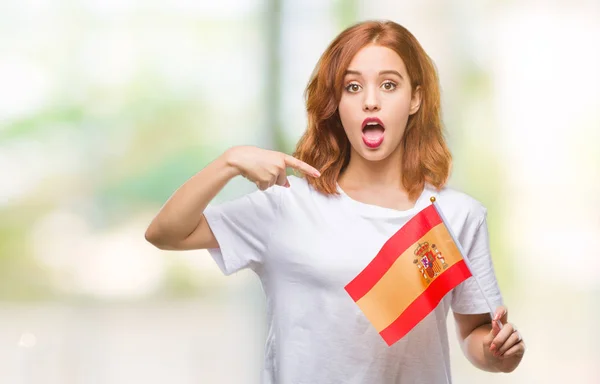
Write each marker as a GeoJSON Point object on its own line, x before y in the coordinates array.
{"type": "Point", "coordinates": [501, 311]}
{"type": "Point", "coordinates": [300, 165]}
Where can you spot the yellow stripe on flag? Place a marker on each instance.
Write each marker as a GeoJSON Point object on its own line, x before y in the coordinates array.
{"type": "Point", "coordinates": [403, 282]}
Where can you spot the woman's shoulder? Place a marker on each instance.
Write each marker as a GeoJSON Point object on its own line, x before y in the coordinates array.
{"type": "Point", "coordinates": [454, 200]}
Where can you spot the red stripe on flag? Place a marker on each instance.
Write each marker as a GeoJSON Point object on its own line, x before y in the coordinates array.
{"type": "Point", "coordinates": [426, 302]}
{"type": "Point", "coordinates": [406, 236]}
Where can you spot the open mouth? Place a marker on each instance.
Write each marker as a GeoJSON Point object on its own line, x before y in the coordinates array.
{"type": "Point", "coordinates": [372, 132]}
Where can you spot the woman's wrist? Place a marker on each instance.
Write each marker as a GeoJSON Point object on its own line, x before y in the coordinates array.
{"type": "Point", "coordinates": [230, 163]}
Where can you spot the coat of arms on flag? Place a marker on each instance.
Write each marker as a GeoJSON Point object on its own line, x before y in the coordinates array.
{"type": "Point", "coordinates": [429, 260]}
{"type": "Point", "coordinates": [410, 275]}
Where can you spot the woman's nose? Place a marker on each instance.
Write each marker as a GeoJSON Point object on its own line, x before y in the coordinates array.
{"type": "Point", "coordinates": [371, 101]}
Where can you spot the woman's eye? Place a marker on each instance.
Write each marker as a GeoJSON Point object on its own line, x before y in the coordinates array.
{"type": "Point", "coordinates": [388, 86]}
{"type": "Point", "coordinates": [353, 87]}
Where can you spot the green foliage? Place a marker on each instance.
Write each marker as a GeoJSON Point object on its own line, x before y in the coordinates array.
{"type": "Point", "coordinates": [21, 277]}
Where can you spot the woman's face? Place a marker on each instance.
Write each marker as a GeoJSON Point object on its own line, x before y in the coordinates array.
{"type": "Point", "coordinates": [376, 102]}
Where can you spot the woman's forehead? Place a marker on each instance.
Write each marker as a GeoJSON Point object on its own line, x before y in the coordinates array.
{"type": "Point", "coordinates": [373, 59]}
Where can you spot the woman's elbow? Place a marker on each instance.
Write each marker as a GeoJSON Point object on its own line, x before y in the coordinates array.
{"type": "Point", "coordinates": [154, 236]}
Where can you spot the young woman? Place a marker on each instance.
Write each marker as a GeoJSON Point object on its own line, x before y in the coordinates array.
{"type": "Point", "coordinates": [372, 156]}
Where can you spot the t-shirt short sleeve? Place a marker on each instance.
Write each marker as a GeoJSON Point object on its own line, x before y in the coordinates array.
{"type": "Point", "coordinates": [243, 228]}
{"type": "Point", "coordinates": [467, 297]}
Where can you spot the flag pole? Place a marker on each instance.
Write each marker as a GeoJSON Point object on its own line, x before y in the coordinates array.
{"type": "Point", "coordinates": [463, 253]}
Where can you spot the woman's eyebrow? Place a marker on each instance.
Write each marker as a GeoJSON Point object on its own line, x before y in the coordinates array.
{"type": "Point", "coordinates": [385, 72]}
{"type": "Point", "coordinates": [391, 72]}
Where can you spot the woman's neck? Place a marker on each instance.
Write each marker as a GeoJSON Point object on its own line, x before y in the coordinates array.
{"type": "Point", "coordinates": [382, 174]}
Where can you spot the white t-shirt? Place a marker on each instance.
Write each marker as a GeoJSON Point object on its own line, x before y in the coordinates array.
{"type": "Point", "coordinates": [305, 247]}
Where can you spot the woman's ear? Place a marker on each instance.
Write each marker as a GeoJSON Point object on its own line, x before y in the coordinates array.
{"type": "Point", "coordinates": [415, 101]}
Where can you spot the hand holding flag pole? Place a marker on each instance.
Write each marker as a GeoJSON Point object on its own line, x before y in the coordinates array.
{"type": "Point", "coordinates": [506, 347]}
{"type": "Point", "coordinates": [463, 253]}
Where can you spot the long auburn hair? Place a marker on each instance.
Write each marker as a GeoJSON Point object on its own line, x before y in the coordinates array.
{"type": "Point", "coordinates": [324, 145]}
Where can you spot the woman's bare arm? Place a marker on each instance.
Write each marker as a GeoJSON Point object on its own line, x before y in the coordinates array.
{"type": "Point", "coordinates": [181, 225]}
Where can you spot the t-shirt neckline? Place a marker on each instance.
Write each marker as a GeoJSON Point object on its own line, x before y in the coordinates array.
{"type": "Point", "coordinates": [372, 210]}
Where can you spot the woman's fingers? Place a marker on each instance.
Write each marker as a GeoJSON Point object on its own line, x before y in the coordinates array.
{"type": "Point", "coordinates": [301, 166]}
{"type": "Point", "coordinates": [512, 340]}
{"type": "Point", "coordinates": [282, 180]}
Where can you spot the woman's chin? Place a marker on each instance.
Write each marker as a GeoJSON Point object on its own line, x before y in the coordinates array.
{"type": "Point", "coordinates": [374, 154]}
{"type": "Point", "coordinates": [377, 154]}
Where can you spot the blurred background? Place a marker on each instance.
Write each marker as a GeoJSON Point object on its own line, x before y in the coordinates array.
{"type": "Point", "coordinates": [107, 106]}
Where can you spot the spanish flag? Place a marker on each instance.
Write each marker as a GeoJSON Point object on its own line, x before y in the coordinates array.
{"type": "Point", "coordinates": [410, 275]}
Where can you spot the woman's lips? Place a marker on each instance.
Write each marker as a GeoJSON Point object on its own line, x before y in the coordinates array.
{"type": "Point", "coordinates": [372, 120]}
{"type": "Point", "coordinates": [372, 132]}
